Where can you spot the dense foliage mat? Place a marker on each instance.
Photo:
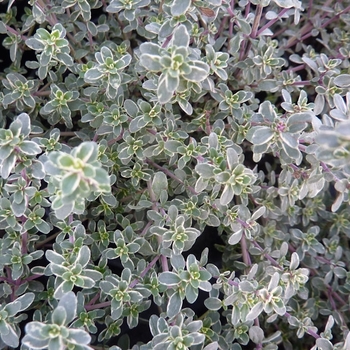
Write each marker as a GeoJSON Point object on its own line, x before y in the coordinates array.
{"type": "Point", "coordinates": [175, 174]}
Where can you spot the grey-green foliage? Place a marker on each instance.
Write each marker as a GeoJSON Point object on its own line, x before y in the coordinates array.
{"type": "Point", "coordinates": [179, 65]}
{"type": "Point", "coordinates": [54, 334]}
{"type": "Point", "coordinates": [9, 319]}
{"type": "Point", "coordinates": [129, 128]}
{"type": "Point", "coordinates": [15, 147]}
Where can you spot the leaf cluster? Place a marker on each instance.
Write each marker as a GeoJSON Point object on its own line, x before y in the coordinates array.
{"type": "Point", "coordinates": [129, 129]}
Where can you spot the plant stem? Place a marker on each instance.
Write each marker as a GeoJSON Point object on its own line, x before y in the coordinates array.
{"type": "Point", "coordinates": [143, 273]}
{"type": "Point", "coordinates": [257, 18]}
{"type": "Point", "coordinates": [271, 22]}
{"type": "Point", "coordinates": [245, 252]}
{"type": "Point", "coordinates": [267, 256]}
{"type": "Point", "coordinates": [230, 31]}
{"type": "Point", "coordinates": [170, 174]}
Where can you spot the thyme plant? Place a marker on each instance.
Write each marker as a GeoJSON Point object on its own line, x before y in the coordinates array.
{"type": "Point", "coordinates": [175, 174]}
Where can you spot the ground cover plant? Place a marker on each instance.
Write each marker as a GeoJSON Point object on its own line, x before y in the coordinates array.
{"type": "Point", "coordinates": [175, 174]}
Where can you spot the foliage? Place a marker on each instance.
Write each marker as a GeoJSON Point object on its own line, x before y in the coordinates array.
{"type": "Point", "coordinates": [132, 131]}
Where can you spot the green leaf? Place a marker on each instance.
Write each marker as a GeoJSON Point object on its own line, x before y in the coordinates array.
{"type": "Point", "coordinates": [181, 38]}
{"type": "Point", "coordinates": [191, 293]}
{"type": "Point", "coordinates": [213, 303]}
{"type": "Point", "coordinates": [159, 183]}
{"type": "Point", "coordinates": [342, 80]}
{"type": "Point", "coordinates": [93, 275]}
{"type": "Point", "coordinates": [256, 334]}
{"type": "Point", "coordinates": [35, 330]}
{"type": "Point", "coordinates": [70, 183]}
{"type": "Point", "coordinates": [30, 148]}
{"type": "Point", "coordinates": [213, 220]}
{"type": "Point", "coordinates": [174, 305]}
{"type": "Point", "coordinates": [64, 161]}
{"type": "Point", "coordinates": [324, 344]}
{"type": "Point", "coordinates": [25, 124]}
{"type": "Point", "coordinates": [54, 257]}
{"type": "Point", "coordinates": [260, 135]}
{"type": "Point", "coordinates": [93, 75]}
{"type": "Point", "coordinates": [270, 85]}
{"type": "Point", "coordinates": [83, 256]}
{"type": "Point", "coordinates": [246, 286]}
{"type": "Point", "coordinates": [259, 212]}
{"type": "Point", "coordinates": [235, 237]}
{"type": "Point", "coordinates": [8, 99]}
{"type": "Point", "coordinates": [232, 157]}
{"type": "Point", "coordinates": [86, 151]}
{"type": "Point", "coordinates": [85, 282]}
{"type": "Point", "coordinates": [198, 73]}
{"type": "Point", "coordinates": [154, 215]}
{"type": "Point", "coordinates": [69, 302]}
{"type": "Point", "coordinates": [294, 262]}
{"type": "Point", "coordinates": [12, 308]}
{"type": "Point", "coordinates": [65, 59]}
{"type": "Point", "coordinates": [131, 108]}
{"type": "Point", "coordinates": [106, 286]}
{"type": "Point", "coordinates": [289, 144]}
{"type": "Point", "coordinates": [151, 62]}
{"type": "Point", "coordinates": [123, 62]}
{"type": "Point", "coordinates": [186, 107]}
{"type": "Point", "coordinates": [29, 101]}
{"type": "Point", "coordinates": [3, 29]}
{"type": "Point", "coordinates": [58, 270]}
{"type": "Point", "coordinates": [297, 118]}
{"type": "Point", "coordinates": [89, 171]}
{"type": "Point", "coordinates": [5, 151]}
{"type": "Point", "coordinates": [45, 57]}
{"type": "Point", "coordinates": [59, 316]}
{"type": "Point", "coordinates": [213, 346]}
{"type": "Point", "coordinates": [102, 178]}
{"type": "Point", "coordinates": [171, 83]}
{"type": "Point", "coordinates": [63, 210]}
{"type": "Point", "coordinates": [172, 145]}
{"type": "Point", "coordinates": [227, 195]}
{"type": "Point", "coordinates": [78, 336]}
{"type": "Point", "coordinates": [106, 53]}
{"type": "Point", "coordinates": [35, 44]}
{"type": "Point", "coordinates": [16, 127]}
{"type": "Point", "coordinates": [244, 26]}
{"type": "Point", "coordinates": [169, 278]}
{"type": "Point", "coordinates": [285, 3]}
{"type": "Point", "coordinates": [164, 95]}
{"type": "Point", "coordinates": [274, 281]}
{"type": "Point", "coordinates": [179, 7]}
{"type": "Point", "coordinates": [173, 212]}
{"type": "Point", "coordinates": [255, 311]}
{"type": "Point", "coordinates": [149, 48]}
{"type": "Point", "coordinates": [7, 165]}
{"type": "Point", "coordinates": [205, 170]}
{"type": "Point", "coordinates": [267, 110]}
{"type": "Point", "coordinates": [116, 308]}
{"type": "Point", "coordinates": [25, 301]}
{"type": "Point", "coordinates": [11, 338]}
